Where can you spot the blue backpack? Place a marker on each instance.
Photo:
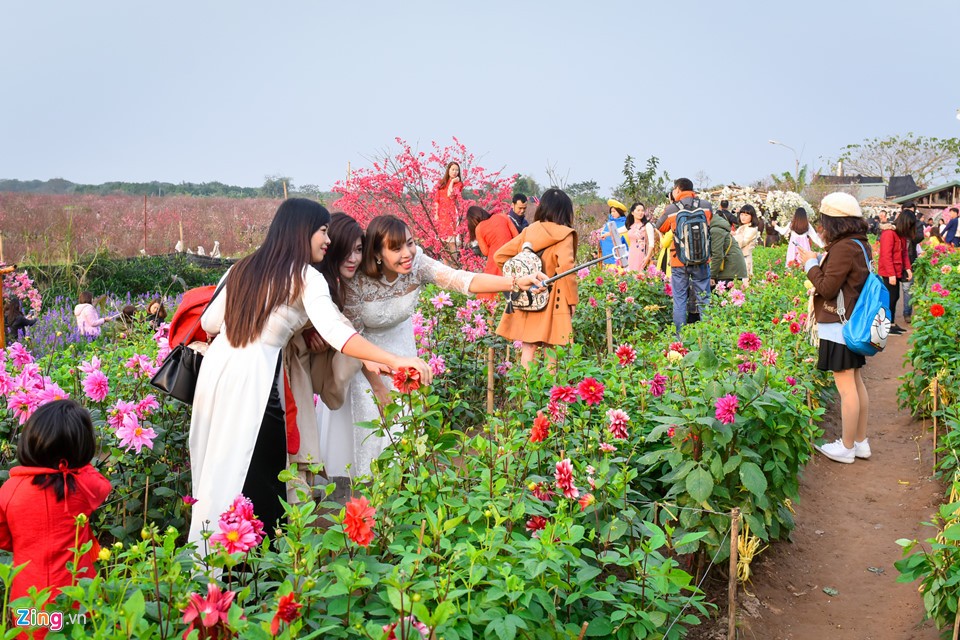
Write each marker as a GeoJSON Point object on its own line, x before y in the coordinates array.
{"type": "Point", "coordinates": [691, 240]}
{"type": "Point", "coordinates": [865, 332]}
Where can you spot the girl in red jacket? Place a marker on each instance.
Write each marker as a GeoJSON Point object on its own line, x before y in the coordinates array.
{"type": "Point", "coordinates": [894, 265]}
{"type": "Point", "coordinates": [40, 502]}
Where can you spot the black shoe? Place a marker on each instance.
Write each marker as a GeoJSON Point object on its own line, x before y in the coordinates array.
{"type": "Point", "coordinates": [895, 330]}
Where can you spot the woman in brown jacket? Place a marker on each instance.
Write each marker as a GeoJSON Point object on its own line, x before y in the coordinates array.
{"type": "Point", "coordinates": [842, 268]}
{"type": "Point", "coordinates": [552, 233]}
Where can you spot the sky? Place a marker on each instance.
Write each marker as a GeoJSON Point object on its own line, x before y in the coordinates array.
{"type": "Point", "coordinates": [233, 91]}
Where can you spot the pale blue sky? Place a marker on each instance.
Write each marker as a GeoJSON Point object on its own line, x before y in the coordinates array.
{"type": "Point", "coordinates": [233, 91]}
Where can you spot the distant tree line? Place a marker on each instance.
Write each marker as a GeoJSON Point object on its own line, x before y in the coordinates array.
{"type": "Point", "coordinates": [272, 188]}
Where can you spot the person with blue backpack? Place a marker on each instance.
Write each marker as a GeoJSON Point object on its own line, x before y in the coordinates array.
{"type": "Point", "coordinates": [688, 219]}
{"type": "Point", "coordinates": [839, 278]}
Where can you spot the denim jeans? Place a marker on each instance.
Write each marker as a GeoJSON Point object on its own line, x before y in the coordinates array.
{"type": "Point", "coordinates": [905, 286]}
{"type": "Point", "coordinates": [681, 280]}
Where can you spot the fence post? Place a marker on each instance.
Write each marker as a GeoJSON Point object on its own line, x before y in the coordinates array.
{"type": "Point", "coordinates": [732, 583]}
{"type": "Point", "coordinates": [490, 380]}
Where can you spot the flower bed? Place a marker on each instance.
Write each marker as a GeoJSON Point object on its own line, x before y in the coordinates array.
{"type": "Point", "coordinates": [931, 389]}
{"type": "Point", "coordinates": [598, 493]}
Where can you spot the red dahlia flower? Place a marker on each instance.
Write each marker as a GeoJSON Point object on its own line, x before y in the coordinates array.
{"type": "Point", "coordinates": [406, 379]}
{"type": "Point", "coordinates": [358, 521]}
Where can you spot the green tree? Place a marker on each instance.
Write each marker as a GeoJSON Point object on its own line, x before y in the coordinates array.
{"type": "Point", "coordinates": [929, 160]}
{"type": "Point", "coordinates": [527, 186]}
{"type": "Point", "coordinates": [786, 181]}
{"type": "Point", "coordinates": [273, 186]}
{"type": "Point", "coordinates": [583, 190]}
{"type": "Point", "coordinates": [645, 186]}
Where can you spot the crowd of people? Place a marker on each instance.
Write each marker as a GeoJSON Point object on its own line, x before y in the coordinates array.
{"type": "Point", "coordinates": [325, 307]}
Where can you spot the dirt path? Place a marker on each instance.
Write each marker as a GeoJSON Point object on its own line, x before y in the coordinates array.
{"type": "Point", "coordinates": [847, 521]}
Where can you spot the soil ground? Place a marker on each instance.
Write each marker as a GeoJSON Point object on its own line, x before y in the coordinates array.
{"type": "Point", "coordinates": [848, 518]}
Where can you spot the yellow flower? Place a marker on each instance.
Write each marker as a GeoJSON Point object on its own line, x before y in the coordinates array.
{"type": "Point", "coordinates": [104, 554]}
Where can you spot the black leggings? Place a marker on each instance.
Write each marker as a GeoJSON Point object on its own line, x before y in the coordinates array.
{"type": "Point", "coordinates": [894, 291]}
{"type": "Point", "coordinates": [269, 459]}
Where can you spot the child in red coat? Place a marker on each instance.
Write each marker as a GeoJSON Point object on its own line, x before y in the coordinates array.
{"type": "Point", "coordinates": [40, 502]}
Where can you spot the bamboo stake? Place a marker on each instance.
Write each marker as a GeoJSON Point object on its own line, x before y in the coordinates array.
{"type": "Point", "coordinates": [3, 328]}
{"type": "Point", "coordinates": [490, 380]}
{"type": "Point", "coordinates": [144, 224]}
{"type": "Point", "coordinates": [609, 330]}
{"type": "Point", "coordinates": [732, 583]}
{"type": "Point", "coordinates": [956, 626]}
{"type": "Point", "coordinates": [936, 399]}
{"type": "Point", "coordinates": [1, 247]}
{"type": "Point", "coordinates": [284, 189]}
{"type": "Point", "coordinates": [583, 631]}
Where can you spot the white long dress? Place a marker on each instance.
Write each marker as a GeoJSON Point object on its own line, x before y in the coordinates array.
{"type": "Point", "coordinates": [232, 392]}
{"type": "Point", "coordinates": [382, 312]}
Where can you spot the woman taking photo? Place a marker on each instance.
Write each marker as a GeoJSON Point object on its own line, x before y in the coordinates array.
{"type": "Point", "coordinates": [842, 268]}
{"type": "Point", "coordinates": [551, 233]}
{"type": "Point", "coordinates": [238, 436]}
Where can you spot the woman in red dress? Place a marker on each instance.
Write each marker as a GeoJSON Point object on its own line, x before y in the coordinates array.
{"type": "Point", "coordinates": [446, 207]}
{"type": "Point", "coordinates": [489, 232]}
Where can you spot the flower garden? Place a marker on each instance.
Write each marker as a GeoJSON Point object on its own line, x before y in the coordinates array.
{"type": "Point", "coordinates": [594, 500]}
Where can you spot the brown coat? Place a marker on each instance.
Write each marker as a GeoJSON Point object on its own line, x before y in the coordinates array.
{"type": "Point", "coordinates": [843, 268]}
{"type": "Point", "coordinates": [554, 324]}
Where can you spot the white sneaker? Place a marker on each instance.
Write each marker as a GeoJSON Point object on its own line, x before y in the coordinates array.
{"type": "Point", "coordinates": [862, 449]}
{"type": "Point", "coordinates": [837, 452]}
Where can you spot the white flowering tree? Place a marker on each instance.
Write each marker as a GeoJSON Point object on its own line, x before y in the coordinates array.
{"type": "Point", "coordinates": [781, 205]}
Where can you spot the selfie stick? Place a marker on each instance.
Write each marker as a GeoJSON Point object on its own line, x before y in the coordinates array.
{"type": "Point", "coordinates": [619, 252]}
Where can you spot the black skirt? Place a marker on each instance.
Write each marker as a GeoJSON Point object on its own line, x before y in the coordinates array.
{"type": "Point", "coordinates": [837, 357]}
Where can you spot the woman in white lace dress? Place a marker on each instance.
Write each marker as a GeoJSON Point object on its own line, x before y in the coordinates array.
{"type": "Point", "coordinates": [381, 301]}
{"type": "Point", "coordinates": [238, 431]}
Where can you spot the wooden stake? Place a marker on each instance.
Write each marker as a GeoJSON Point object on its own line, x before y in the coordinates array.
{"type": "Point", "coordinates": [1, 247]}
{"type": "Point", "coordinates": [936, 401]}
{"type": "Point", "coordinates": [490, 380]}
{"type": "Point", "coordinates": [3, 328]}
{"type": "Point", "coordinates": [181, 233]}
{"type": "Point", "coordinates": [732, 584]}
{"type": "Point", "coordinates": [144, 224]}
{"type": "Point", "coordinates": [956, 626]}
{"type": "Point", "coordinates": [583, 631]}
{"type": "Point", "coordinates": [284, 189]}
{"type": "Point", "coordinates": [609, 330]}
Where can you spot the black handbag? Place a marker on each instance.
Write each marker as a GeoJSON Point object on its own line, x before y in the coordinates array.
{"type": "Point", "coordinates": [177, 376]}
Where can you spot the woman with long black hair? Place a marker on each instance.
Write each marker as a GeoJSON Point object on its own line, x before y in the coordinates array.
{"type": "Point", "coordinates": [239, 430]}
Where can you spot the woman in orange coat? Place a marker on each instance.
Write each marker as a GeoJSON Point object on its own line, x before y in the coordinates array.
{"type": "Point", "coordinates": [552, 233]}
{"type": "Point", "coordinates": [487, 234]}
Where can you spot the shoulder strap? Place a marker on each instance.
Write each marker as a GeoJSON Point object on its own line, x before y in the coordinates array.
{"type": "Point", "coordinates": [865, 257]}
{"type": "Point", "coordinates": [200, 317]}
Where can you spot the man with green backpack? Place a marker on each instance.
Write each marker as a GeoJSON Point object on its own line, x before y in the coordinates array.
{"type": "Point", "coordinates": [688, 218]}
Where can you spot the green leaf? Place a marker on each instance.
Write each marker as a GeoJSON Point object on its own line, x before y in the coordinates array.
{"type": "Point", "coordinates": [753, 479]}
{"type": "Point", "coordinates": [133, 610]}
{"type": "Point", "coordinates": [707, 362]}
{"type": "Point", "coordinates": [699, 484]}
{"type": "Point", "coordinates": [952, 533]}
